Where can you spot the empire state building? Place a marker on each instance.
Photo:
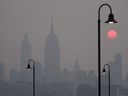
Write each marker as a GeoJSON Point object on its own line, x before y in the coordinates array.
{"type": "Point", "coordinates": [52, 57]}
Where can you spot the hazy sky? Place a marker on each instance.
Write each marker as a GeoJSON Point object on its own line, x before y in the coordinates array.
{"type": "Point", "coordinates": [75, 24]}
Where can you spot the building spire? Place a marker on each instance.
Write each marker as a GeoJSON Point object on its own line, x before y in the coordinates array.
{"type": "Point", "coordinates": [52, 27]}
{"type": "Point", "coordinates": [76, 65]}
{"type": "Point", "coordinates": [26, 37]}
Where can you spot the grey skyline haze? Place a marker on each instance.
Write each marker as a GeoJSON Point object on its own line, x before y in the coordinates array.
{"type": "Point", "coordinates": [75, 24]}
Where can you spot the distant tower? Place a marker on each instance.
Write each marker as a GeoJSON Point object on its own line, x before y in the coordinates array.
{"type": "Point", "coordinates": [25, 56]}
{"type": "Point", "coordinates": [52, 57]}
{"type": "Point", "coordinates": [1, 71]}
{"type": "Point", "coordinates": [13, 75]}
{"type": "Point", "coordinates": [76, 65]}
{"type": "Point", "coordinates": [118, 68]}
{"type": "Point", "coordinates": [76, 74]}
{"type": "Point", "coordinates": [126, 80]}
{"type": "Point", "coordinates": [91, 78]}
{"type": "Point", "coordinates": [39, 76]}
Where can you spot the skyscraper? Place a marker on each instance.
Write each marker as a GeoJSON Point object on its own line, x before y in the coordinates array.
{"type": "Point", "coordinates": [116, 70]}
{"type": "Point", "coordinates": [76, 73]}
{"type": "Point", "coordinates": [91, 79]}
{"type": "Point", "coordinates": [126, 81]}
{"type": "Point", "coordinates": [39, 76]}
{"type": "Point", "coordinates": [76, 66]}
{"type": "Point", "coordinates": [52, 57]}
{"type": "Point", "coordinates": [1, 71]}
{"type": "Point", "coordinates": [25, 56]}
{"type": "Point", "coordinates": [13, 75]}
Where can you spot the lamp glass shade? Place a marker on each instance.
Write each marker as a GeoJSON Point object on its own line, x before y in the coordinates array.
{"type": "Point", "coordinates": [111, 19]}
{"type": "Point", "coordinates": [104, 70]}
{"type": "Point", "coordinates": [28, 67]}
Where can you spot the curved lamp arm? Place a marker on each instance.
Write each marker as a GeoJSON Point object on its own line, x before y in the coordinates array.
{"type": "Point", "coordinates": [106, 65]}
{"type": "Point", "coordinates": [29, 62]}
{"type": "Point", "coordinates": [105, 4]}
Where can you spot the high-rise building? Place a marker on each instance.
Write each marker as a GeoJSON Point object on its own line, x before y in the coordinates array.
{"type": "Point", "coordinates": [126, 81]}
{"type": "Point", "coordinates": [116, 70]}
{"type": "Point", "coordinates": [38, 71]}
{"type": "Point", "coordinates": [91, 78]}
{"type": "Point", "coordinates": [1, 71]}
{"type": "Point", "coordinates": [76, 65]}
{"type": "Point", "coordinates": [82, 77]}
{"type": "Point", "coordinates": [118, 66]}
{"type": "Point", "coordinates": [76, 72]}
{"type": "Point", "coordinates": [65, 75]}
{"type": "Point", "coordinates": [52, 57]}
{"type": "Point", "coordinates": [13, 75]}
{"type": "Point", "coordinates": [25, 56]}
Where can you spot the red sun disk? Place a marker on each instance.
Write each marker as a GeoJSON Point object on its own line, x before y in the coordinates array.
{"type": "Point", "coordinates": [112, 34]}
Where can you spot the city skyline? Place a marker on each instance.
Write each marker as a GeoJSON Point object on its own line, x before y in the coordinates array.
{"type": "Point", "coordinates": [76, 33]}
{"type": "Point", "coordinates": [116, 65]}
{"type": "Point", "coordinates": [26, 49]}
{"type": "Point", "coordinates": [26, 52]}
{"type": "Point", "coordinates": [63, 44]}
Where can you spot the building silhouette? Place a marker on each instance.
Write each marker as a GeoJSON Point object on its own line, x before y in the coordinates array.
{"type": "Point", "coordinates": [25, 56]}
{"type": "Point", "coordinates": [1, 71]}
{"type": "Point", "coordinates": [64, 75]}
{"type": "Point", "coordinates": [76, 74]}
{"type": "Point", "coordinates": [118, 65]}
{"type": "Point", "coordinates": [38, 70]}
{"type": "Point", "coordinates": [82, 78]}
{"type": "Point", "coordinates": [76, 65]}
{"type": "Point", "coordinates": [91, 78]}
{"type": "Point", "coordinates": [126, 81]}
{"type": "Point", "coordinates": [13, 75]}
{"type": "Point", "coordinates": [52, 56]}
{"type": "Point", "coordinates": [116, 70]}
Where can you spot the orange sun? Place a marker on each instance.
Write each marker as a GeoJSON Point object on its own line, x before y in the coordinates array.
{"type": "Point", "coordinates": [112, 34]}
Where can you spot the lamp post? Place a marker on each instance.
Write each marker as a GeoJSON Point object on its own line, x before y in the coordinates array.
{"type": "Point", "coordinates": [110, 20]}
{"type": "Point", "coordinates": [104, 70]}
{"type": "Point", "coordinates": [31, 61]}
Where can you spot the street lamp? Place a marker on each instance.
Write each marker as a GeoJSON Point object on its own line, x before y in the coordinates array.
{"type": "Point", "coordinates": [104, 70]}
{"type": "Point", "coordinates": [110, 20]}
{"type": "Point", "coordinates": [31, 61]}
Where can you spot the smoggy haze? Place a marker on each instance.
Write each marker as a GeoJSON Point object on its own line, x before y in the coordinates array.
{"type": "Point", "coordinates": [75, 24]}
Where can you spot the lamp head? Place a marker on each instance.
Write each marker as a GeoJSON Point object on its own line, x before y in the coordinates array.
{"type": "Point", "coordinates": [104, 70]}
{"type": "Point", "coordinates": [28, 67]}
{"type": "Point", "coordinates": [111, 19]}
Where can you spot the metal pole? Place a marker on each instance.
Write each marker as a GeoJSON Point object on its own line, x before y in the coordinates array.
{"type": "Point", "coordinates": [29, 67]}
{"type": "Point", "coordinates": [109, 79]}
{"type": "Point", "coordinates": [99, 47]}
{"type": "Point", "coordinates": [99, 61]}
{"type": "Point", "coordinates": [33, 79]}
{"type": "Point", "coordinates": [108, 66]}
